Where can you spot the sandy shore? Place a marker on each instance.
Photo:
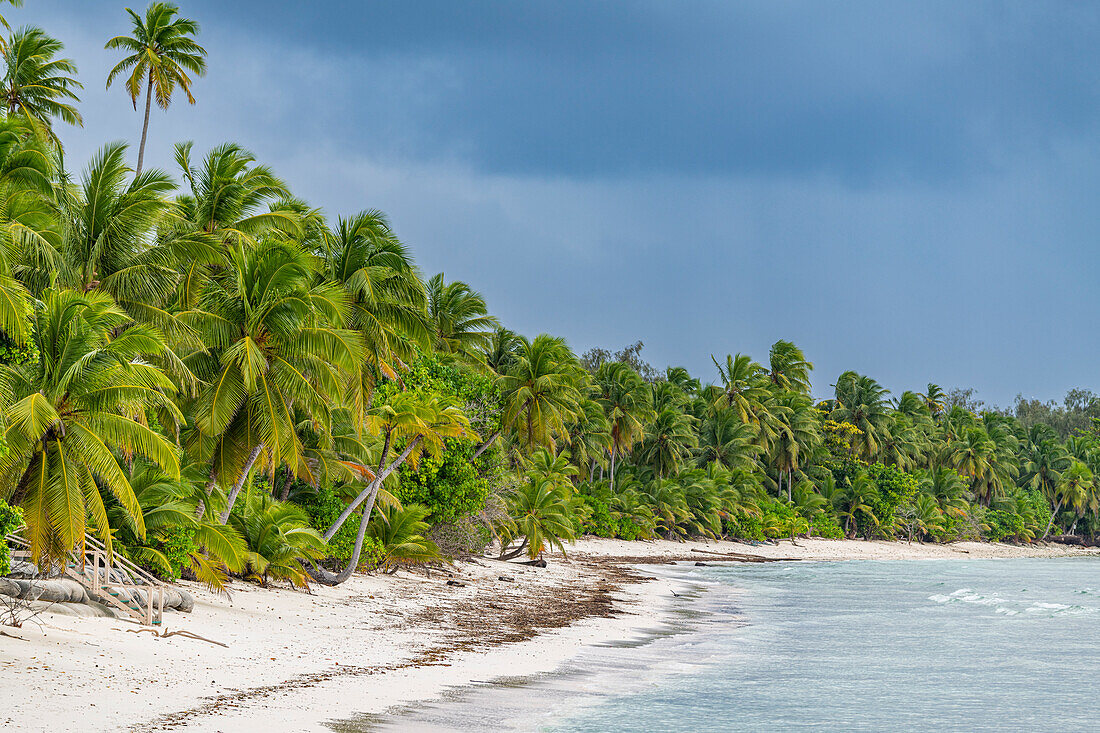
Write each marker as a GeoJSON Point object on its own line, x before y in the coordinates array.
{"type": "Point", "coordinates": [295, 660]}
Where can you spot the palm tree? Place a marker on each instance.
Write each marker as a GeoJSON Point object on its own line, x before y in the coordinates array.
{"type": "Point", "coordinates": [162, 51]}
{"type": "Point", "coordinates": [501, 352]}
{"type": "Point", "coordinates": [460, 320]}
{"type": "Point", "coordinates": [668, 442]}
{"type": "Point", "coordinates": [861, 401]}
{"type": "Point", "coordinates": [936, 400]}
{"type": "Point", "coordinates": [972, 455]}
{"type": "Point", "coordinates": [36, 84]}
{"type": "Point", "coordinates": [386, 296]}
{"type": "Point", "coordinates": [799, 433]}
{"type": "Point", "coordinates": [109, 239]}
{"type": "Point", "coordinates": [948, 488]}
{"type": "Point", "coordinates": [627, 401]}
{"type": "Point", "coordinates": [789, 368]}
{"type": "Point", "coordinates": [539, 392]}
{"type": "Point", "coordinates": [30, 230]}
{"type": "Point", "coordinates": [1043, 465]}
{"type": "Point", "coordinates": [1072, 490]}
{"type": "Point", "coordinates": [269, 346]}
{"type": "Point", "coordinates": [72, 411]}
{"type": "Point", "coordinates": [423, 423]}
{"type": "Point", "coordinates": [589, 436]}
{"type": "Point", "coordinates": [725, 440]}
{"type": "Point", "coordinates": [280, 539]}
{"type": "Point", "coordinates": [855, 500]}
{"type": "Point", "coordinates": [743, 388]}
{"type": "Point", "coordinates": [225, 208]}
{"type": "Point", "coordinates": [400, 532]}
{"type": "Point", "coordinates": [540, 514]}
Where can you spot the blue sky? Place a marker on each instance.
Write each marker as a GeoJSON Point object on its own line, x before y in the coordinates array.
{"type": "Point", "coordinates": [908, 190]}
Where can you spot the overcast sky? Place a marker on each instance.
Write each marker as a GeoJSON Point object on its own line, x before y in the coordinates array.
{"type": "Point", "coordinates": [904, 189]}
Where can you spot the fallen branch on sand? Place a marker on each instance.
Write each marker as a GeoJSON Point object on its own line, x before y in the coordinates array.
{"type": "Point", "coordinates": [742, 557]}
{"type": "Point", "coordinates": [166, 633]}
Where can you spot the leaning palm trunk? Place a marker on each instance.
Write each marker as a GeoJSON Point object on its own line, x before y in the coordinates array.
{"type": "Point", "coordinates": [372, 489]}
{"type": "Point", "coordinates": [324, 577]}
{"type": "Point", "coordinates": [240, 482]}
{"type": "Point", "coordinates": [508, 554]}
{"type": "Point", "coordinates": [1057, 508]}
{"type": "Point", "coordinates": [485, 446]}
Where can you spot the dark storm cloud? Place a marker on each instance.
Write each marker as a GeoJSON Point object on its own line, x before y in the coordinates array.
{"type": "Point", "coordinates": [906, 189]}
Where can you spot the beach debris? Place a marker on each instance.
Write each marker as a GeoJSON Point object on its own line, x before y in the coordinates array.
{"type": "Point", "coordinates": [166, 633]}
{"type": "Point", "coordinates": [456, 583]}
{"type": "Point", "coordinates": [701, 564]}
{"type": "Point", "coordinates": [507, 578]}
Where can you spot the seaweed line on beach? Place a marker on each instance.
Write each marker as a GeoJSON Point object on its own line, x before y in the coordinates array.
{"type": "Point", "coordinates": [511, 617]}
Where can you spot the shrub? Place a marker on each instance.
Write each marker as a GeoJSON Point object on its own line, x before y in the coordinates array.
{"type": "Point", "coordinates": [10, 520]}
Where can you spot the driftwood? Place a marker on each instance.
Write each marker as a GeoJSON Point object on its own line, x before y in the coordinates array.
{"type": "Point", "coordinates": [166, 633]}
{"type": "Point", "coordinates": [1072, 539]}
{"type": "Point", "coordinates": [743, 557]}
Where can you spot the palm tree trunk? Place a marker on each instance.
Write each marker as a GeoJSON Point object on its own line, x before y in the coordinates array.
{"type": "Point", "coordinates": [145, 127]}
{"type": "Point", "coordinates": [240, 482]}
{"type": "Point", "coordinates": [485, 446]}
{"type": "Point", "coordinates": [323, 576]}
{"type": "Point", "coordinates": [613, 455]}
{"type": "Point", "coordinates": [1057, 508]}
{"type": "Point", "coordinates": [285, 493]}
{"type": "Point", "coordinates": [591, 470]}
{"type": "Point", "coordinates": [371, 490]}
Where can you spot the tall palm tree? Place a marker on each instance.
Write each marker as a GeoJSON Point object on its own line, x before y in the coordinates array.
{"type": "Point", "coordinates": [1043, 465]}
{"type": "Point", "coordinates": [109, 239]}
{"type": "Point", "coordinates": [540, 391]}
{"type": "Point", "coordinates": [589, 436]}
{"type": "Point", "coordinates": [460, 319]}
{"type": "Point", "coordinates": [387, 300]}
{"type": "Point", "coordinates": [725, 440]}
{"type": "Point", "coordinates": [36, 84]}
{"type": "Point", "coordinates": [231, 201]}
{"type": "Point", "coordinates": [788, 367]}
{"type": "Point", "coordinates": [936, 400]}
{"type": "Point", "coordinates": [799, 433]}
{"type": "Point", "coordinates": [72, 411]}
{"type": "Point", "coordinates": [1072, 490]}
{"type": "Point", "coordinates": [270, 345]}
{"type": "Point", "coordinates": [861, 401]}
{"type": "Point", "coordinates": [627, 401]}
{"type": "Point", "coordinates": [743, 386]}
{"type": "Point", "coordinates": [500, 354]}
{"type": "Point", "coordinates": [162, 52]}
{"type": "Point", "coordinates": [668, 442]}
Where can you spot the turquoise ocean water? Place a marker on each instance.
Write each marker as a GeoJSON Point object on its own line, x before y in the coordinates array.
{"type": "Point", "coordinates": [928, 645]}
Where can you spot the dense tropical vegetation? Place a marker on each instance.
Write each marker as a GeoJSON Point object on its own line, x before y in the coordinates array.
{"type": "Point", "coordinates": [217, 380]}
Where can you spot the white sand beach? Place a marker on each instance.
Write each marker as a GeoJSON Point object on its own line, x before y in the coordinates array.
{"type": "Point", "coordinates": [295, 659]}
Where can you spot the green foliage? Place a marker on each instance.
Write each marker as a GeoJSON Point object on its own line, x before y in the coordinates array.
{"type": "Point", "coordinates": [825, 525]}
{"type": "Point", "coordinates": [450, 486]}
{"type": "Point", "coordinates": [10, 520]}
{"type": "Point", "coordinates": [894, 488]}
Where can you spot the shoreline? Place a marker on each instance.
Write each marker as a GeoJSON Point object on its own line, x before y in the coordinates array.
{"type": "Point", "coordinates": [296, 660]}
